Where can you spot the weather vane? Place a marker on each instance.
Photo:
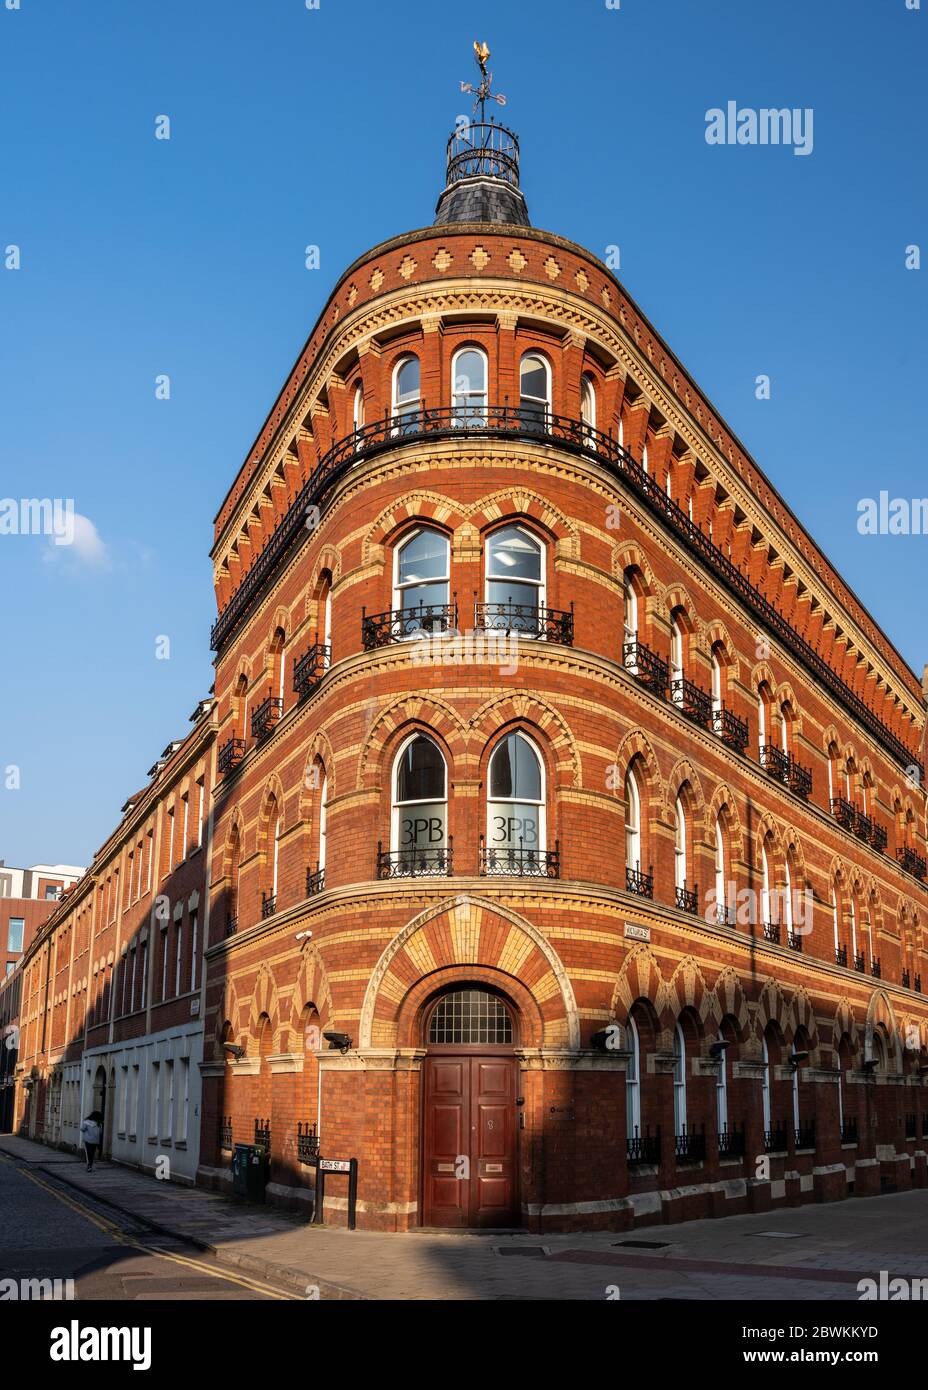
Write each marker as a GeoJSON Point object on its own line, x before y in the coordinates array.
{"type": "Point", "coordinates": [482, 93]}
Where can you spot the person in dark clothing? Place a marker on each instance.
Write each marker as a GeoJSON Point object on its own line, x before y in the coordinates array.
{"type": "Point", "coordinates": [91, 1134]}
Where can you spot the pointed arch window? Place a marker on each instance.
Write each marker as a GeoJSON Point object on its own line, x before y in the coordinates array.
{"type": "Point", "coordinates": [721, 894]}
{"type": "Point", "coordinates": [765, 903]}
{"type": "Point", "coordinates": [534, 391]}
{"type": "Point", "coordinates": [419, 829]}
{"type": "Point", "coordinates": [765, 1085]}
{"type": "Point", "coordinates": [516, 831]}
{"type": "Point", "coordinates": [323, 815]}
{"type": "Point", "coordinates": [630, 609]}
{"type": "Point", "coordinates": [679, 847]}
{"type": "Point", "coordinates": [469, 386]}
{"type": "Point", "coordinates": [679, 1080]}
{"type": "Point", "coordinates": [676, 658]}
{"type": "Point", "coordinates": [632, 823]}
{"type": "Point", "coordinates": [721, 1090]}
{"type": "Point", "coordinates": [588, 404]}
{"type": "Point", "coordinates": [407, 395]}
{"type": "Point", "coordinates": [357, 413]}
{"type": "Point", "coordinates": [716, 685]}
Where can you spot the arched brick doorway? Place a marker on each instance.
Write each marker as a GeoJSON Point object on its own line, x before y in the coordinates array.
{"type": "Point", "coordinates": [470, 1097]}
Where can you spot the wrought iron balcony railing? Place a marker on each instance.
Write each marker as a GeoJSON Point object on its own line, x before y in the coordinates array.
{"type": "Point", "coordinates": [775, 1139]}
{"type": "Point", "coordinates": [263, 1135]}
{"type": "Point", "coordinates": [415, 863]}
{"type": "Point", "coordinates": [692, 701]}
{"type": "Point", "coordinates": [231, 924]}
{"type": "Point", "coordinates": [860, 965]}
{"type": "Point", "coordinates": [774, 761]}
{"type": "Point", "coordinates": [643, 1148]}
{"type": "Point", "coordinates": [734, 731]}
{"type": "Point", "coordinates": [906, 979]}
{"type": "Point", "coordinates": [230, 755]}
{"type": "Point", "coordinates": [863, 826]}
{"type": "Point", "coordinates": [876, 969]}
{"type": "Point", "coordinates": [266, 715]}
{"type": "Point", "coordinates": [268, 904]}
{"type": "Point", "coordinates": [311, 667]}
{"type": "Point", "coordinates": [772, 932]}
{"type": "Point", "coordinates": [689, 1147]}
{"type": "Point", "coordinates": [647, 667]}
{"type": "Point", "coordinates": [878, 838]}
{"type": "Point", "coordinates": [840, 955]}
{"type": "Point", "coordinates": [518, 862]}
{"type": "Point", "coordinates": [849, 1130]}
{"type": "Point", "coordinates": [843, 812]}
{"type": "Point", "coordinates": [572, 436]}
{"type": "Point", "coordinates": [307, 1142]}
{"type": "Point", "coordinates": [315, 881]}
{"type": "Point", "coordinates": [804, 1137]}
{"type": "Point", "coordinates": [799, 778]}
{"type": "Point", "coordinates": [637, 882]}
{"type": "Point", "coordinates": [526, 620]}
{"type": "Point", "coordinates": [688, 898]}
{"type": "Point", "coordinates": [794, 941]}
{"type": "Point", "coordinates": [911, 861]}
{"type": "Point", "coordinates": [406, 624]}
{"type": "Point", "coordinates": [731, 1143]}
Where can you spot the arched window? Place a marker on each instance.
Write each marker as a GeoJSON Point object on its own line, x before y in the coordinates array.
{"type": "Point", "coordinates": [420, 809]}
{"type": "Point", "coordinates": [676, 657]}
{"type": "Point", "coordinates": [469, 386]}
{"type": "Point", "coordinates": [836, 921]}
{"type": "Point", "coordinates": [632, 823]}
{"type": "Point", "coordinates": [534, 391]}
{"type": "Point", "coordinates": [721, 891]}
{"type": "Point", "coordinates": [630, 611]}
{"type": "Point", "coordinates": [716, 686]}
{"type": "Point", "coordinates": [679, 845]}
{"type": "Point", "coordinates": [279, 665]}
{"type": "Point", "coordinates": [515, 809]}
{"type": "Point", "coordinates": [766, 906]}
{"type": "Point", "coordinates": [765, 1085]}
{"type": "Point", "coordinates": [470, 1018]}
{"type": "Point", "coordinates": [786, 728]}
{"type": "Point", "coordinates": [833, 756]}
{"type": "Point", "coordinates": [644, 459]}
{"type": "Point", "coordinates": [788, 895]}
{"type": "Point", "coordinates": [327, 628]}
{"type": "Point", "coordinates": [763, 707]}
{"type": "Point", "coordinates": [323, 813]}
{"type": "Point", "coordinates": [407, 395]}
{"type": "Point", "coordinates": [357, 413]}
{"type": "Point", "coordinates": [853, 907]}
{"type": "Point", "coordinates": [679, 1080]}
{"type": "Point", "coordinates": [588, 404]}
{"type": "Point", "coordinates": [272, 852]}
{"type": "Point", "coordinates": [633, 1082]}
{"type": "Point", "coordinates": [721, 1089]}
{"type": "Point", "coordinates": [422, 578]}
{"type": "Point", "coordinates": [515, 582]}
{"type": "Point", "coordinates": [240, 703]}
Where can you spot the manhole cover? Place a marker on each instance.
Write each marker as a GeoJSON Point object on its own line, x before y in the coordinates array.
{"type": "Point", "coordinates": [644, 1244]}
{"type": "Point", "coordinates": [531, 1252]}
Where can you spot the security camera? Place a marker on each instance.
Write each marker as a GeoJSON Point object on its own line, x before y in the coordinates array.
{"type": "Point", "coordinates": [234, 1049]}
{"type": "Point", "coordinates": [303, 935]}
{"type": "Point", "coordinates": [338, 1041]}
{"type": "Point", "coordinates": [717, 1048]}
{"type": "Point", "coordinates": [796, 1058]}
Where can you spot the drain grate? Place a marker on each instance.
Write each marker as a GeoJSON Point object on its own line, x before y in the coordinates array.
{"type": "Point", "coordinates": [643, 1244]}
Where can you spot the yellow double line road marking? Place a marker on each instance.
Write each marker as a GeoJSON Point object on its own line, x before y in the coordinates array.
{"type": "Point", "coordinates": [111, 1229]}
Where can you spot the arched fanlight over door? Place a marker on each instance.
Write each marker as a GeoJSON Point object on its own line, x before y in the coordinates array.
{"type": "Point", "coordinates": [420, 810]}
{"type": "Point", "coordinates": [515, 809]}
{"type": "Point", "coordinates": [470, 1018]}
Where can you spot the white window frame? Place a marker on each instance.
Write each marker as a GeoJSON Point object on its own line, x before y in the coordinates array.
{"type": "Point", "coordinates": [397, 807]}
{"type": "Point", "coordinates": [629, 609]}
{"type": "Point", "coordinates": [588, 401]}
{"type": "Point", "coordinates": [679, 846]}
{"type": "Point", "coordinates": [357, 412]}
{"type": "Point", "coordinates": [679, 1080]}
{"type": "Point", "coordinates": [323, 814]}
{"type": "Point", "coordinates": [545, 403]}
{"type": "Point", "coordinates": [400, 589]}
{"type": "Point", "coordinates": [632, 822]}
{"type": "Point", "coordinates": [473, 404]}
{"type": "Point", "coordinates": [194, 933]}
{"type": "Point", "coordinates": [721, 1090]}
{"type": "Point", "coordinates": [716, 684]}
{"type": "Point", "coordinates": [721, 896]}
{"type": "Point", "coordinates": [409, 405]}
{"type": "Point", "coordinates": [676, 657]}
{"type": "Point", "coordinates": [633, 1083]}
{"type": "Point", "coordinates": [540, 584]}
{"type": "Point", "coordinates": [541, 847]}
{"type": "Point", "coordinates": [764, 885]}
{"type": "Point", "coordinates": [178, 953]}
{"type": "Point", "coordinates": [765, 1085]}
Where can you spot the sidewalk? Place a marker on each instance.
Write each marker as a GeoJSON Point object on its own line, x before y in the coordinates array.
{"type": "Point", "coordinates": [812, 1252]}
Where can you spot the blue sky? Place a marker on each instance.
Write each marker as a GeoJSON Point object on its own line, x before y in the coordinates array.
{"type": "Point", "coordinates": [293, 126]}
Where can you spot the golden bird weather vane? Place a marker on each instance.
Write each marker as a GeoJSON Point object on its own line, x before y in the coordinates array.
{"type": "Point", "coordinates": [483, 94]}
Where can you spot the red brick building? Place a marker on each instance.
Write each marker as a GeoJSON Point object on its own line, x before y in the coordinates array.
{"type": "Point", "coordinates": [565, 862]}
{"type": "Point", "coordinates": [614, 908]}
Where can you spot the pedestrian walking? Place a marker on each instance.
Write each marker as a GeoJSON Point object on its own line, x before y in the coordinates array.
{"type": "Point", "coordinates": [91, 1134]}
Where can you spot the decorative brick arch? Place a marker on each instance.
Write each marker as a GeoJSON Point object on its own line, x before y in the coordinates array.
{"type": "Point", "coordinates": [830, 736]}
{"type": "Point", "coordinates": [687, 989]}
{"type": "Point", "coordinates": [320, 749]}
{"type": "Point", "coordinates": [727, 999]}
{"type": "Point", "coordinates": [631, 556]}
{"type": "Point", "coordinates": [766, 825]}
{"type": "Point", "coordinates": [635, 744]}
{"type": "Point", "coordinates": [641, 977]}
{"type": "Point", "coordinates": [762, 674]}
{"type": "Point", "coordinates": [802, 1015]}
{"type": "Point", "coordinates": [715, 632]}
{"type": "Point", "coordinates": [449, 942]}
{"type": "Point", "coordinates": [523, 709]}
{"type": "Point", "coordinates": [845, 1023]}
{"type": "Point", "coordinates": [677, 596]}
{"type": "Point", "coordinates": [511, 505]}
{"type": "Point", "coordinates": [310, 987]}
{"type": "Point", "coordinates": [329, 559]}
{"type": "Point", "coordinates": [417, 505]}
{"type": "Point", "coordinates": [682, 772]}
{"type": "Point", "coordinates": [787, 695]}
{"type": "Point", "coordinates": [427, 713]}
{"type": "Point", "coordinates": [247, 1011]}
{"type": "Point", "coordinates": [792, 841]}
{"type": "Point", "coordinates": [880, 1011]}
{"type": "Point", "coordinates": [772, 1007]}
{"type": "Point", "coordinates": [724, 796]}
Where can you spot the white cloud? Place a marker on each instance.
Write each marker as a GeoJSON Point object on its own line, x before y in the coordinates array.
{"type": "Point", "coordinates": [82, 543]}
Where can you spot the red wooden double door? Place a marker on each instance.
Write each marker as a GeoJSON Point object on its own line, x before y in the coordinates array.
{"type": "Point", "coordinates": [470, 1170]}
